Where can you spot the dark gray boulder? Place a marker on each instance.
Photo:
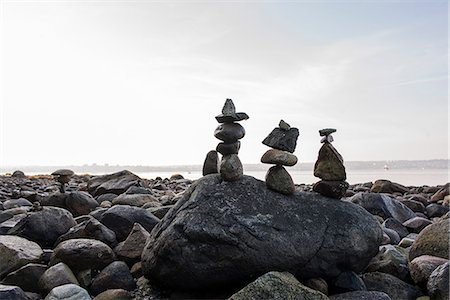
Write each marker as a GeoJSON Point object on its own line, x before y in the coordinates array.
{"type": "Point", "coordinates": [116, 183]}
{"type": "Point", "coordinates": [114, 276]}
{"type": "Point", "coordinates": [121, 218]}
{"type": "Point", "coordinates": [437, 286]}
{"type": "Point", "coordinates": [391, 285]}
{"type": "Point", "coordinates": [44, 226]}
{"type": "Point", "coordinates": [227, 233]}
{"type": "Point", "coordinates": [383, 206]}
{"type": "Point", "coordinates": [26, 277]}
{"type": "Point", "coordinates": [78, 203]}
{"type": "Point", "coordinates": [11, 292]}
{"type": "Point", "coordinates": [361, 295]}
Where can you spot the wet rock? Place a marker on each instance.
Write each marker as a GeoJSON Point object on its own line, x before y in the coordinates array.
{"type": "Point", "coordinates": [211, 164]}
{"type": "Point", "coordinates": [433, 240]}
{"type": "Point", "coordinates": [277, 286]}
{"type": "Point", "coordinates": [391, 285]}
{"type": "Point", "coordinates": [121, 218]}
{"type": "Point", "coordinates": [45, 226]}
{"type": "Point", "coordinates": [68, 292]}
{"type": "Point", "coordinates": [130, 250]}
{"type": "Point", "coordinates": [251, 230]}
{"type": "Point", "coordinates": [389, 187]}
{"type": "Point", "coordinates": [231, 168]}
{"type": "Point", "coordinates": [416, 224]}
{"type": "Point", "coordinates": [56, 275]}
{"type": "Point", "coordinates": [16, 252]}
{"type": "Point", "coordinates": [361, 295]}
{"type": "Point", "coordinates": [332, 189]}
{"type": "Point", "coordinates": [279, 157]}
{"type": "Point", "coordinates": [383, 206]}
{"type": "Point", "coordinates": [93, 229]}
{"type": "Point", "coordinates": [329, 165]}
{"type": "Point", "coordinates": [116, 183]}
{"type": "Point", "coordinates": [438, 287]}
{"type": "Point", "coordinates": [10, 292]}
{"type": "Point", "coordinates": [115, 276]}
{"type": "Point", "coordinates": [279, 180]}
{"type": "Point", "coordinates": [26, 277]}
{"type": "Point", "coordinates": [229, 132]}
{"type": "Point", "coordinates": [82, 254]}
{"type": "Point", "coordinates": [421, 268]}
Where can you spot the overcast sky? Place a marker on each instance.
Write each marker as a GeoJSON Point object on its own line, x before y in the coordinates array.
{"type": "Point", "coordinates": [139, 82]}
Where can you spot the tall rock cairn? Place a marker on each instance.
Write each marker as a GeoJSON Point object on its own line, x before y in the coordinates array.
{"type": "Point", "coordinates": [330, 168]}
{"type": "Point", "coordinates": [282, 140]}
{"type": "Point", "coordinates": [230, 132]}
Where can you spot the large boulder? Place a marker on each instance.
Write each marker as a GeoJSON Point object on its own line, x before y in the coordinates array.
{"type": "Point", "coordinates": [116, 183]}
{"type": "Point", "coordinates": [277, 286]}
{"type": "Point", "coordinates": [16, 252]}
{"type": "Point", "coordinates": [223, 233]}
{"type": "Point", "coordinates": [433, 240]}
{"type": "Point", "coordinates": [44, 226]}
{"type": "Point", "coordinates": [384, 206]}
{"type": "Point", "coordinates": [121, 218]}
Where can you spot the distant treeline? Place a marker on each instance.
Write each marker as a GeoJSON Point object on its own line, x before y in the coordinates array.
{"type": "Point", "coordinates": [350, 165]}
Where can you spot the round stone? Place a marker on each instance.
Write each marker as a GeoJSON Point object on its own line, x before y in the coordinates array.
{"type": "Point", "coordinates": [210, 166]}
{"type": "Point", "coordinates": [231, 168]}
{"type": "Point", "coordinates": [228, 148]}
{"type": "Point", "coordinates": [279, 157]}
{"type": "Point", "coordinates": [279, 180]}
{"type": "Point", "coordinates": [229, 132]}
{"type": "Point", "coordinates": [332, 189]}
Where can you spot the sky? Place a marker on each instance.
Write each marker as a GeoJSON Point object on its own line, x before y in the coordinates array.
{"type": "Point", "coordinates": [140, 82]}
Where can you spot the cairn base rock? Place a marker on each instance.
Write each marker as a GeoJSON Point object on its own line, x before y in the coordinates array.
{"type": "Point", "coordinates": [223, 234]}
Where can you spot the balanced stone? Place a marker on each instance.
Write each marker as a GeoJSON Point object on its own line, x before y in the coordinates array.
{"type": "Point", "coordinates": [329, 165]}
{"type": "Point", "coordinates": [228, 148]}
{"type": "Point", "coordinates": [229, 132]}
{"type": "Point", "coordinates": [326, 131]}
{"type": "Point", "coordinates": [231, 168]}
{"type": "Point", "coordinates": [229, 113]}
{"type": "Point", "coordinates": [281, 139]}
{"type": "Point", "coordinates": [283, 125]}
{"type": "Point", "coordinates": [210, 166]}
{"type": "Point", "coordinates": [332, 189]}
{"type": "Point", "coordinates": [279, 157]}
{"type": "Point", "coordinates": [279, 180]}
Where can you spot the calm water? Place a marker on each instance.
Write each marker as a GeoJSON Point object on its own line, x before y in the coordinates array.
{"type": "Point", "coordinates": [406, 177]}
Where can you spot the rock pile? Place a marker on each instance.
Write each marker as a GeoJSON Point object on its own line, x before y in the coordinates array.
{"type": "Point", "coordinates": [230, 132]}
{"type": "Point", "coordinates": [283, 141]}
{"type": "Point", "coordinates": [330, 168]}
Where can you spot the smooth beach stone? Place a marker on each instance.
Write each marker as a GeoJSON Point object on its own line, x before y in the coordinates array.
{"type": "Point", "coordinates": [280, 139]}
{"type": "Point", "coordinates": [361, 295]}
{"type": "Point", "coordinates": [228, 148]}
{"type": "Point", "coordinates": [26, 277]}
{"type": "Point", "coordinates": [16, 203]}
{"type": "Point", "coordinates": [116, 183]}
{"type": "Point", "coordinates": [56, 275]}
{"type": "Point", "coordinates": [130, 250]}
{"type": "Point", "coordinates": [421, 268]}
{"type": "Point", "coordinates": [114, 276]}
{"type": "Point", "coordinates": [416, 224]}
{"type": "Point", "coordinates": [437, 286]}
{"type": "Point", "coordinates": [279, 180]}
{"type": "Point", "coordinates": [11, 292]}
{"type": "Point", "coordinates": [114, 294]}
{"type": "Point", "coordinates": [16, 252]}
{"type": "Point", "coordinates": [229, 132]}
{"type": "Point", "coordinates": [391, 260]}
{"type": "Point", "coordinates": [279, 157]}
{"type": "Point", "coordinates": [231, 168]}
{"type": "Point", "coordinates": [332, 189]}
{"type": "Point", "coordinates": [393, 224]}
{"type": "Point", "coordinates": [18, 174]}
{"type": "Point", "coordinates": [326, 131]}
{"type": "Point", "coordinates": [391, 285]}
{"type": "Point", "coordinates": [387, 186]}
{"type": "Point", "coordinates": [347, 282]}
{"type": "Point", "coordinates": [329, 164]}
{"type": "Point", "coordinates": [68, 292]}
{"type": "Point", "coordinates": [211, 164]}
{"type": "Point", "coordinates": [432, 240]}
{"type": "Point", "coordinates": [436, 210]}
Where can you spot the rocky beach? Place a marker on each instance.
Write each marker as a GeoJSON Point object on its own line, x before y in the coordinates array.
{"type": "Point", "coordinates": [119, 236]}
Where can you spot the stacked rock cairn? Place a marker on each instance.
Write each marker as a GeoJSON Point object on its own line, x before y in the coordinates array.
{"type": "Point", "coordinates": [330, 168]}
{"type": "Point", "coordinates": [230, 132]}
{"type": "Point", "coordinates": [282, 140]}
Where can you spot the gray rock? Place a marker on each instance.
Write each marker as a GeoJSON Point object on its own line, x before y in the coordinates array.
{"type": "Point", "coordinates": [326, 131]}
{"type": "Point", "coordinates": [106, 197]}
{"type": "Point", "coordinates": [229, 113]}
{"type": "Point", "coordinates": [114, 294]}
{"type": "Point", "coordinates": [121, 218]}
{"type": "Point", "coordinates": [329, 165]}
{"type": "Point", "coordinates": [16, 252]}
{"type": "Point", "coordinates": [82, 254]}
{"type": "Point", "coordinates": [228, 148]}
{"type": "Point", "coordinates": [415, 206]}
{"type": "Point", "coordinates": [283, 125]}
{"type": "Point", "coordinates": [433, 240]}
{"type": "Point", "coordinates": [391, 285]}
{"type": "Point", "coordinates": [134, 199]}
{"type": "Point", "coordinates": [116, 183]}
{"type": "Point", "coordinates": [277, 286]}
{"type": "Point", "coordinates": [437, 286]}
{"type": "Point", "coordinates": [231, 168]}
{"type": "Point", "coordinates": [211, 164]}
{"type": "Point", "coordinates": [393, 224]}
{"type": "Point", "coordinates": [280, 139]}
{"type": "Point", "coordinates": [10, 292]}
{"type": "Point", "coordinates": [10, 223]}
{"type": "Point", "coordinates": [361, 295]}
{"type": "Point", "coordinates": [80, 203]}
{"type": "Point", "coordinates": [68, 292]}
{"type": "Point", "coordinates": [45, 226]}
{"type": "Point", "coordinates": [16, 203]}
{"type": "Point", "coordinates": [393, 236]}
{"type": "Point", "coordinates": [26, 277]}
{"type": "Point", "coordinates": [441, 193]}
{"type": "Point", "coordinates": [391, 260]}
{"type": "Point", "coordinates": [436, 210]}
{"type": "Point", "coordinates": [130, 250]}
{"type": "Point", "coordinates": [229, 132]}
{"type": "Point", "coordinates": [421, 268]}
{"type": "Point", "coordinates": [318, 284]}
{"type": "Point", "coordinates": [347, 282]}
{"type": "Point", "coordinates": [93, 229]}
{"type": "Point", "coordinates": [115, 276]}
{"type": "Point", "coordinates": [383, 206]}
{"type": "Point", "coordinates": [279, 157]}
{"type": "Point", "coordinates": [386, 186]}
{"type": "Point", "coordinates": [56, 275]}
{"type": "Point", "coordinates": [416, 224]}
{"type": "Point", "coordinates": [332, 189]}
{"type": "Point", "coordinates": [224, 233]}
{"type": "Point", "coordinates": [160, 211]}
{"type": "Point", "coordinates": [18, 174]}
{"type": "Point", "coordinates": [279, 180]}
